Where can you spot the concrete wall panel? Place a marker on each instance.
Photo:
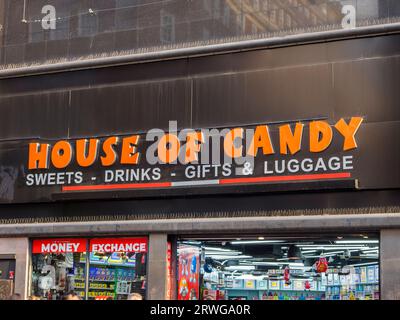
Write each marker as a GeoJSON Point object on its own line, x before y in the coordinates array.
{"type": "Point", "coordinates": [20, 248]}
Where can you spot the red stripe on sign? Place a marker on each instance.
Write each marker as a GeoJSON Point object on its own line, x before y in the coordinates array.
{"type": "Point", "coordinates": [306, 177]}
{"type": "Point", "coordinates": [117, 186]}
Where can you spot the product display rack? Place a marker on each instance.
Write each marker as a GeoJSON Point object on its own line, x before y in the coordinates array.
{"type": "Point", "coordinates": [361, 284]}
{"type": "Point", "coordinates": [104, 287]}
{"type": "Point", "coordinates": [359, 291]}
{"type": "Point", "coordinates": [274, 294]}
{"type": "Point", "coordinates": [109, 287]}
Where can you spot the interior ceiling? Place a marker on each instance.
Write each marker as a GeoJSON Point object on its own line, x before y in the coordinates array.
{"type": "Point", "coordinates": [253, 249]}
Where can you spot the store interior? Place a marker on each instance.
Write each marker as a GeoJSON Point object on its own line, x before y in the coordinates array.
{"type": "Point", "coordinates": [329, 267]}
{"type": "Point", "coordinates": [112, 276]}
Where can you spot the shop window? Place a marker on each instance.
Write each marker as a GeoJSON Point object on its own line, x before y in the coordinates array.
{"type": "Point", "coordinates": [117, 268]}
{"type": "Point", "coordinates": [318, 268]}
{"type": "Point", "coordinates": [58, 267]}
{"type": "Point", "coordinates": [111, 269]}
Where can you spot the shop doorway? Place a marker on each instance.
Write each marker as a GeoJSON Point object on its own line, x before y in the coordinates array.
{"type": "Point", "coordinates": [7, 276]}
{"type": "Point", "coordinates": [325, 267]}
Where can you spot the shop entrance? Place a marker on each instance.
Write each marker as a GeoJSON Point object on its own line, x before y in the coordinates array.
{"type": "Point", "coordinates": [325, 267]}
{"type": "Point", "coordinates": [7, 276]}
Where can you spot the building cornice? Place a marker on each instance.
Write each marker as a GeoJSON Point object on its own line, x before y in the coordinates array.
{"type": "Point", "coordinates": [211, 226]}
{"type": "Point", "coordinates": [212, 49]}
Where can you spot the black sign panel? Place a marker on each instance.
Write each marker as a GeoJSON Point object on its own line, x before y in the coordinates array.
{"type": "Point", "coordinates": [20, 183]}
{"type": "Point", "coordinates": [238, 91]}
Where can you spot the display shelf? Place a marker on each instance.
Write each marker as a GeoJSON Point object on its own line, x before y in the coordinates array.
{"type": "Point", "coordinates": [112, 265]}
{"type": "Point", "coordinates": [110, 280]}
{"type": "Point", "coordinates": [283, 290]}
{"type": "Point", "coordinates": [117, 294]}
{"type": "Point", "coordinates": [243, 289]}
{"type": "Point", "coordinates": [353, 284]}
{"type": "Point", "coordinates": [293, 290]}
{"type": "Point", "coordinates": [95, 280]}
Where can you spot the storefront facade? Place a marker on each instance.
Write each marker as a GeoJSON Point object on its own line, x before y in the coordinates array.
{"type": "Point", "coordinates": [312, 131]}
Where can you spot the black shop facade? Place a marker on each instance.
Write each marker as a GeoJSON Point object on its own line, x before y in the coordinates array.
{"type": "Point", "coordinates": [239, 176]}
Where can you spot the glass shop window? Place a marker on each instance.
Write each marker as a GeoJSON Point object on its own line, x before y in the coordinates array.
{"type": "Point", "coordinates": [117, 269]}
{"type": "Point", "coordinates": [107, 269]}
{"type": "Point", "coordinates": [58, 267]}
{"type": "Point", "coordinates": [318, 267]}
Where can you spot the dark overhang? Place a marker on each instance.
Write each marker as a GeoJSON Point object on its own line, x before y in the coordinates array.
{"type": "Point", "coordinates": [213, 49]}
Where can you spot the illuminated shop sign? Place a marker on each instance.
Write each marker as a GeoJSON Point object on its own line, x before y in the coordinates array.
{"type": "Point", "coordinates": [59, 246]}
{"type": "Point", "coordinates": [107, 245]}
{"type": "Point", "coordinates": [137, 245]}
{"type": "Point", "coordinates": [267, 153]}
